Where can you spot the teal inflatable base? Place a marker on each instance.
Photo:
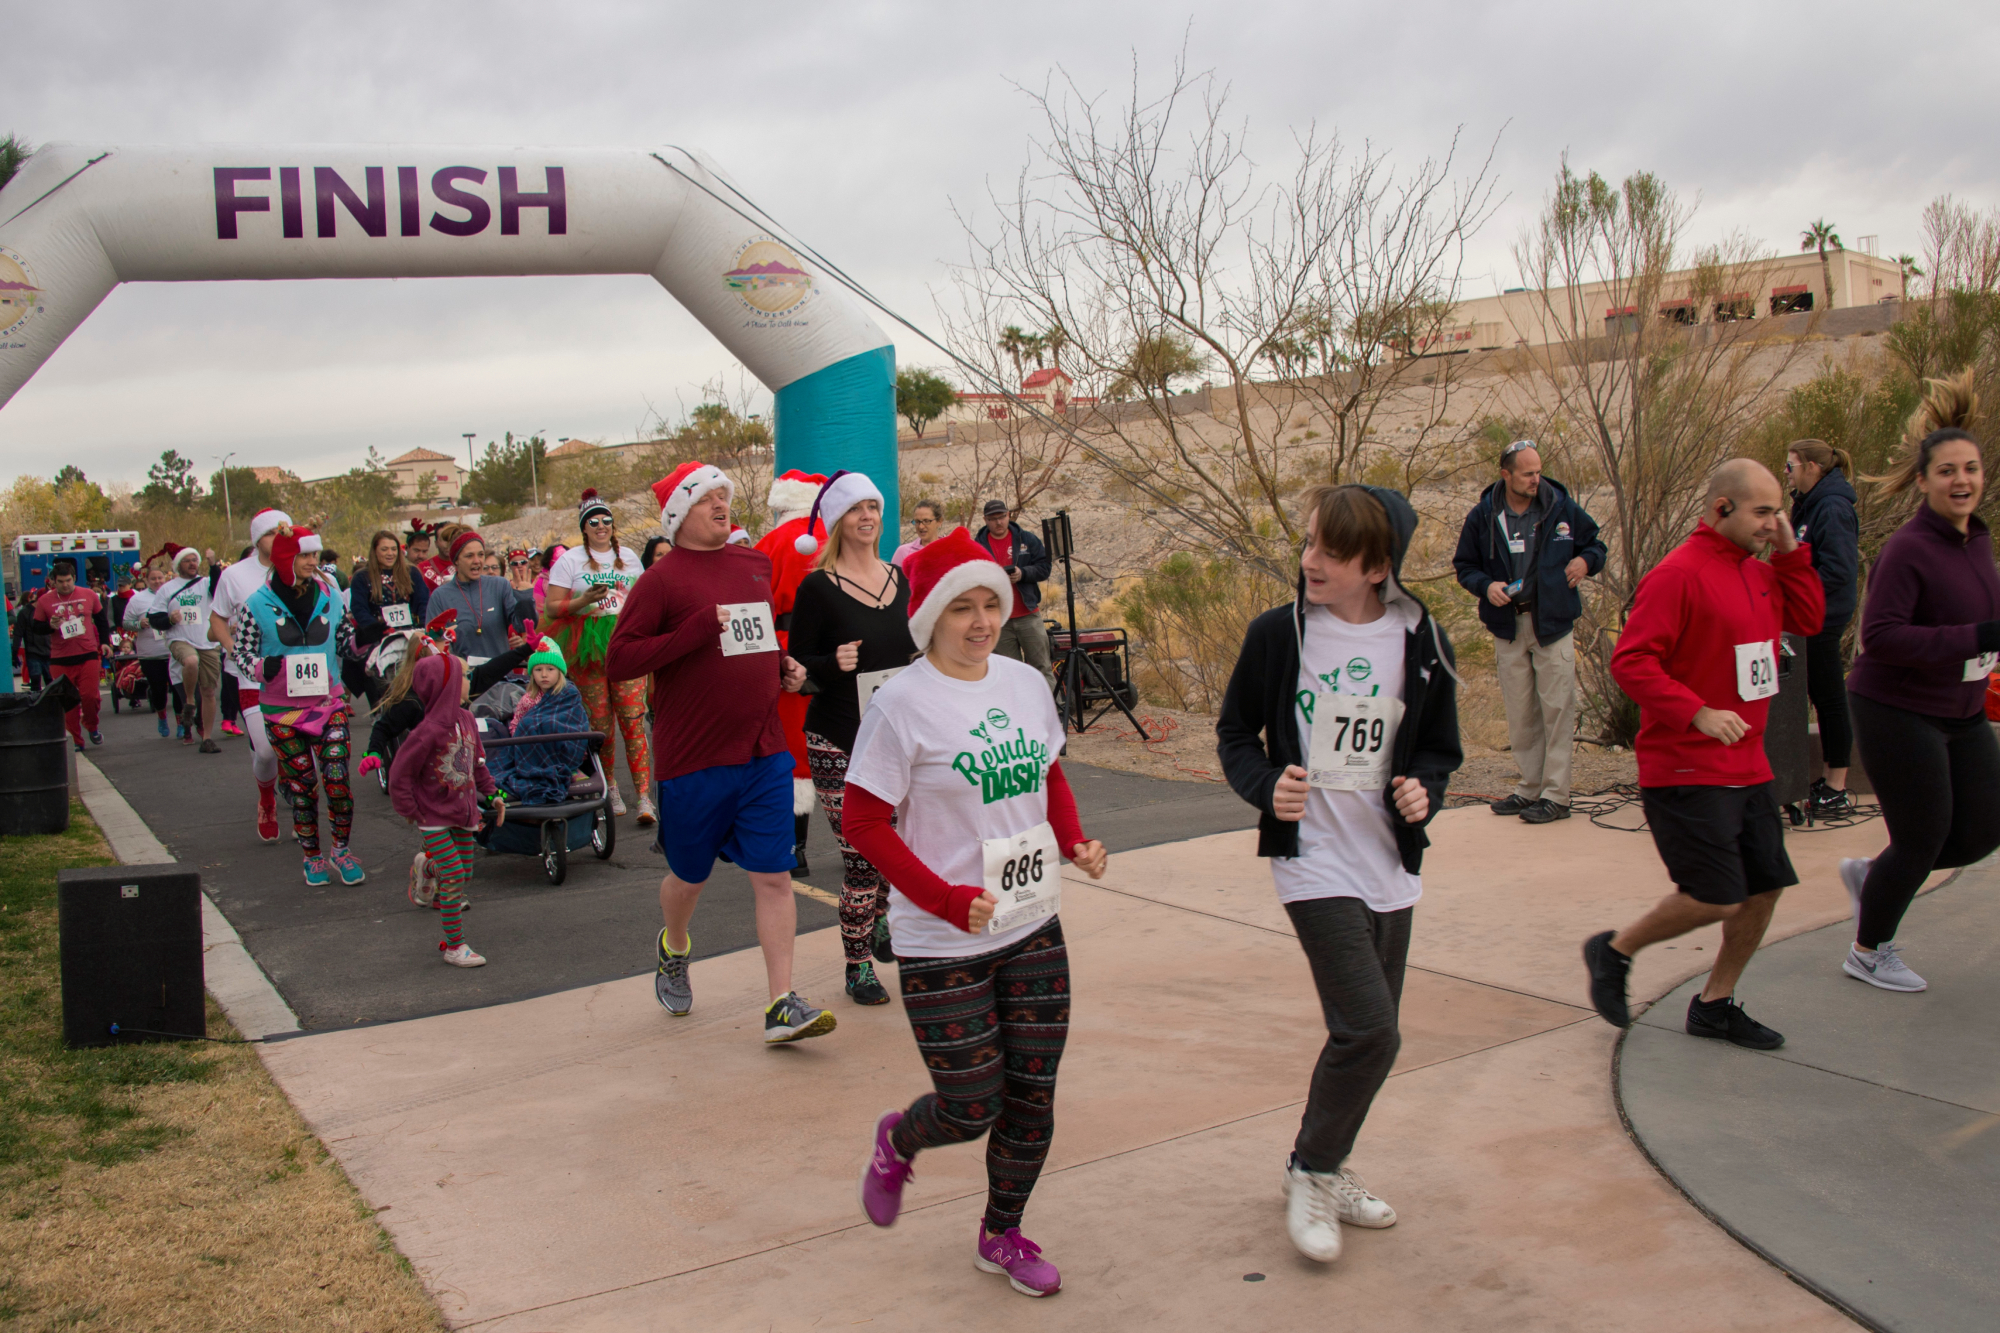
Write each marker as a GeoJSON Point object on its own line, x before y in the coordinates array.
{"type": "Point", "coordinates": [844, 416]}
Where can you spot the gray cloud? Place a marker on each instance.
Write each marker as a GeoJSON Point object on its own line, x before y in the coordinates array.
{"type": "Point", "coordinates": [859, 125]}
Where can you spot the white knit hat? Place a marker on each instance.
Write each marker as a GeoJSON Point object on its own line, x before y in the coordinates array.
{"type": "Point", "coordinates": [678, 492]}
{"type": "Point", "coordinates": [950, 567]}
{"type": "Point", "coordinates": [842, 492]}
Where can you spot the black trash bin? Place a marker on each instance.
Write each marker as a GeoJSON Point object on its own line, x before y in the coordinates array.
{"type": "Point", "coordinates": [34, 765]}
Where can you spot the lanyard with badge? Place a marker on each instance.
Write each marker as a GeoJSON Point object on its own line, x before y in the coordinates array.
{"type": "Point", "coordinates": [1756, 671]}
{"type": "Point", "coordinates": [1024, 873]}
{"type": "Point", "coordinates": [747, 628]}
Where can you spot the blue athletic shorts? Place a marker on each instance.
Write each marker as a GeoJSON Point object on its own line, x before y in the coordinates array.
{"type": "Point", "coordinates": [742, 811]}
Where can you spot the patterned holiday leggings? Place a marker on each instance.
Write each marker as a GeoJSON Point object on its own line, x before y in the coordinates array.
{"type": "Point", "coordinates": [991, 1028]}
{"type": "Point", "coordinates": [864, 894]}
{"type": "Point", "coordinates": [627, 698]}
{"type": "Point", "coordinates": [450, 853]}
{"type": "Point", "coordinates": [296, 752]}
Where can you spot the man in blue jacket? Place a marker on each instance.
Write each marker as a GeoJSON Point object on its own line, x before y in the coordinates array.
{"type": "Point", "coordinates": [1524, 549]}
{"type": "Point", "coordinates": [1023, 638]}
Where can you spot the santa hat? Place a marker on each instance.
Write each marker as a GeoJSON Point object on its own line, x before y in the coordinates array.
{"type": "Point", "coordinates": [266, 521]}
{"type": "Point", "coordinates": [169, 550]}
{"type": "Point", "coordinates": [793, 493]}
{"type": "Point", "coordinates": [842, 492]}
{"type": "Point", "coordinates": [309, 541]}
{"type": "Point", "coordinates": [678, 491]}
{"type": "Point", "coordinates": [739, 535]}
{"type": "Point", "coordinates": [284, 550]}
{"type": "Point", "coordinates": [181, 553]}
{"type": "Point", "coordinates": [589, 503]}
{"type": "Point", "coordinates": [949, 567]}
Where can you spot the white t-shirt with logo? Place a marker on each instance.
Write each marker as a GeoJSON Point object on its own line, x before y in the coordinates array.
{"type": "Point", "coordinates": [572, 571]}
{"type": "Point", "coordinates": [1347, 840]}
{"type": "Point", "coordinates": [186, 603]}
{"type": "Point", "coordinates": [232, 590]}
{"type": "Point", "coordinates": [962, 761]}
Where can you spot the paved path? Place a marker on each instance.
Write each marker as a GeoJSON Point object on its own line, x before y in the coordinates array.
{"type": "Point", "coordinates": [346, 956]}
{"type": "Point", "coordinates": [1864, 1155]}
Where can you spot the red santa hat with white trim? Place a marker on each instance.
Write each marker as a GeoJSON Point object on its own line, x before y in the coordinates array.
{"type": "Point", "coordinates": [793, 493]}
{"type": "Point", "coordinates": [948, 568]}
{"type": "Point", "coordinates": [678, 491]}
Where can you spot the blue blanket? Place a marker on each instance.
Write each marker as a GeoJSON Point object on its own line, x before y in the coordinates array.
{"type": "Point", "coordinates": [539, 774]}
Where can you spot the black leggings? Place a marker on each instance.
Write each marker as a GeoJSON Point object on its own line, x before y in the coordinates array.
{"type": "Point", "coordinates": [159, 685]}
{"type": "Point", "coordinates": [1826, 686]}
{"type": "Point", "coordinates": [1938, 780]}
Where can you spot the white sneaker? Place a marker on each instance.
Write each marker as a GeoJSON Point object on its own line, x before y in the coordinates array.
{"type": "Point", "coordinates": [647, 816]}
{"type": "Point", "coordinates": [1312, 1213]}
{"type": "Point", "coordinates": [423, 881]}
{"type": "Point", "coordinates": [1853, 874]}
{"type": "Point", "coordinates": [462, 956]}
{"type": "Point", "coordinates": [617, 800]}
{"type": "Point", "coordinates": [1882, 966]}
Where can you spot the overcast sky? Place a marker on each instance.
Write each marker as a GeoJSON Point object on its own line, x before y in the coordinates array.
{"type": "Point", "coordinates": [859, 125]}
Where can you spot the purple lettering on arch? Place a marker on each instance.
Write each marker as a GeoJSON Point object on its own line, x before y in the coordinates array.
{"type": "Point", "coordinates": [373, 214]}
{"type": "Point", "coordinates": [228, 203]}
{"type": "Point", "coordinates": [444, 186]}
{"type": "Point", "coordinates": [512, 201]}
{"type": "Point", "coordinates": [289, 206]}
{"type": "Point", "coordinates": [406, 200]}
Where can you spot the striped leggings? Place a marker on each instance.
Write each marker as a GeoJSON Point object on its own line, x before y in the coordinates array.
{"type": "Point", "coordinates": [864, 894]}
{"type": "Point", "coordinates": [450, 853]}
{"type": "Point", "coordinates": [991, 1028]}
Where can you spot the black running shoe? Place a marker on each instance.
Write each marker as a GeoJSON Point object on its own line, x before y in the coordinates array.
{"type": "Point", "coordinates": [880, 944]}
{"type": "Point", "coordinates": [862, 987]}
{"type": "Point", "coordinates": [1512, 805]}
{"type": "Point", "coordinates": [1726, 1021]}
{"type": "Point", "coordinates": [1544, 811]}
{"type": "Point", "coordinates": [1827, 801]}
{"type": "Point", "coordinates": [1608, 971]}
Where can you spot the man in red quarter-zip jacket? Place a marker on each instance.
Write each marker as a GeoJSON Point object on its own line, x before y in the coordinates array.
{"type": "Point", "coordinates": [1699, 655]}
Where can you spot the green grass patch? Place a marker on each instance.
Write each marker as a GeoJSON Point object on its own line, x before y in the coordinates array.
{"type": "Point", "coordinates": [58, 1105]}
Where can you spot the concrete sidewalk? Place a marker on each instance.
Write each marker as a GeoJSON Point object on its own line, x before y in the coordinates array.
{"type": "Point", "coordinates": [581, 1161]}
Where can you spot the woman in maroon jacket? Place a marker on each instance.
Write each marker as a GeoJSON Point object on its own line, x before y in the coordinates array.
{"type": "Point", "coordinates": [1930, 632]}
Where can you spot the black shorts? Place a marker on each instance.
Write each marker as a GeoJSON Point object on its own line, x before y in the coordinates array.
{"type": "Point", "coordinates": [1721, 844]}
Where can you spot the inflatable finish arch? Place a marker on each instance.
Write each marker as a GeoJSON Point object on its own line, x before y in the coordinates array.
{"type": "Point", "coordinates": [78, 220]}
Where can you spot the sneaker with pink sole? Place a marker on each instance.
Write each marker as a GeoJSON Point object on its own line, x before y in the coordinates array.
{"type": "Point", "coordinates": [884, 1174]}
{"type": "Point", "coordinates": [1020, 1259]}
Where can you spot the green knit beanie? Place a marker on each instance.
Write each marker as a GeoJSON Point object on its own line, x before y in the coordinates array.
{"type": "Point", "coordinates": [547, 654]}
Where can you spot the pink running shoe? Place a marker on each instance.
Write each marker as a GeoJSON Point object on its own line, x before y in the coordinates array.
{"type": "Point", "coordinates": [1019, 1258]}
{"type": "Point", "coordinates": [882, 1179]}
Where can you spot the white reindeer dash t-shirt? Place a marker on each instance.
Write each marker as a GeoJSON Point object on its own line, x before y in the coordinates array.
{"type": "Point", "coordinates": [1347, 842]}
{"type": "Point", "coordinates": [962, 761]}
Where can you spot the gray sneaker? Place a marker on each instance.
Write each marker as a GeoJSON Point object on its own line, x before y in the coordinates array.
{"type": "Point", "coordinates": [1884, 967]}
{"type": "Point", "coordinates": [671, 986]}
{"type": "Point", "coordinates": [790, 1018]}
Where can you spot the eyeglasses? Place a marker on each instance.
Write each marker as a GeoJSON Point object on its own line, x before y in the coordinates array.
{"type": "Point", "coordinates": [923, 522]}
{"type": "Point", "coordinates": [597, 523]}
{"type": "Point", "coordinates": [1788, 468]}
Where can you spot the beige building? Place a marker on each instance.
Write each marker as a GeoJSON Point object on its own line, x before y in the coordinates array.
{"type": "Point", "coordinates": [1786, 285]}
{"type": "Point", "coordinates": [410, 469]}
{"type": "Point", "coordinates": [1048, 388]}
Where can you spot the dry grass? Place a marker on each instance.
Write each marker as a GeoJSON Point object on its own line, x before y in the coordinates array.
{"type": "Point", "coordinates": [169, 1186]}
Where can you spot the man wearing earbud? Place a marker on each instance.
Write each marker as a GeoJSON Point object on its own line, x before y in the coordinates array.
{"type": "Point", "coordinates": [1525, 549]}
{"type": "Point", "coordinates": [1699, 656]}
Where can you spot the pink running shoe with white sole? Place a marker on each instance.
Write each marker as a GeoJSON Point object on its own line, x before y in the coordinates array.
{"type": "Point", "coordinates": [884, 1175]}
{"type": "Point", "coordinates": [1020, 1259]}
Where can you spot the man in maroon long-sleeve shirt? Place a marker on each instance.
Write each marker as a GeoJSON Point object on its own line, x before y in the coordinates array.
{"type": "Point", "coordinates": [1699, 655]}
{"type": "Point", "coordinates": [699, 623]}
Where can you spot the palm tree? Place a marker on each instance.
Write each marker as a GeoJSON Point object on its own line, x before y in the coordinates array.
{"type": "Point", "coordinates": [1908, 263]}
{"type": "Point", "coordinates": [13, 152]}
{"type": "Point", "coordinates": [1055, 340]}
{"type": "Point", "coordinates": [1037, 346]}
{"type": "Point", "coordinates": [1821, 234]}
{"type": "Point", "coordinates": [1014, 344]}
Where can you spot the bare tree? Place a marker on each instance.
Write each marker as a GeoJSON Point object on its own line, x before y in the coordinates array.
{"type": "Point", "coordinates": [1142, 224]}
{"type": "Point", "coordinates": [1648, 391]}
{"type": "Point", "coordinates": [1015, 456]}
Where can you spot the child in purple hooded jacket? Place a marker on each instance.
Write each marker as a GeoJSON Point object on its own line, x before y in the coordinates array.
{"type": "Point", "coordinates": [439, 783]}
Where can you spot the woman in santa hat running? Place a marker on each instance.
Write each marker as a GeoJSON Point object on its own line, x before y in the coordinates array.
{"type": "Point", "coordinates": [960, 749]}
{"type": "Point", "coordinates": [851, 632]}
{"type": "Point", "coordinates": [237, 585]}
{"type": "Point", "coordinates": [587, 587]}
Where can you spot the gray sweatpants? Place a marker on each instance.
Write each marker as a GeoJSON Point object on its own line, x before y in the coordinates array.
{"type": "Point", "coordinates": [1357, 957]}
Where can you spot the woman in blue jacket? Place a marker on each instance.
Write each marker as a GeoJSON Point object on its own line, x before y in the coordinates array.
{"type": "Point", "coordinates": [1823, 517]}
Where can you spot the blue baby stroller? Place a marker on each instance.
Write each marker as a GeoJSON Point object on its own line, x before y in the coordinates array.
{"type": "Point", "coordinates": [552, 832]}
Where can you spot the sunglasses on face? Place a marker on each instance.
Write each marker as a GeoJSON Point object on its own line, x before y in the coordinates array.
{"type": "Point", "coordinates": [1518, 446]}
{"type": "Point", "coordinates": [598, 523]}
{"type": "Point", "coordinates": [518, 564]}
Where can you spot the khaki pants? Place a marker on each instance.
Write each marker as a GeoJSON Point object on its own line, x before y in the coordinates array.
{"type": "Point", "coordinates": [1538, 684]}
{"type": "Point", "coordinates": [1026, 639]}
{"type": "Point", "coordinates": [201, 685]}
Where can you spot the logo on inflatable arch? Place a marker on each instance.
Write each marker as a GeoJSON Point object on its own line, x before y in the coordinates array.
{"type": "Point", "coordinates": [20, 297]}
{"type": "Point", "coordinates": [769, 278]}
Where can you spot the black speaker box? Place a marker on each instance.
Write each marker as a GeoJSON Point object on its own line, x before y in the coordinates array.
{"type": "Point", "coordinates": [131, 952]}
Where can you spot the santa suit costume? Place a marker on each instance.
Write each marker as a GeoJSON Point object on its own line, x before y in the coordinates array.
{"type": "Point", "coordinates": [791, 501]}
